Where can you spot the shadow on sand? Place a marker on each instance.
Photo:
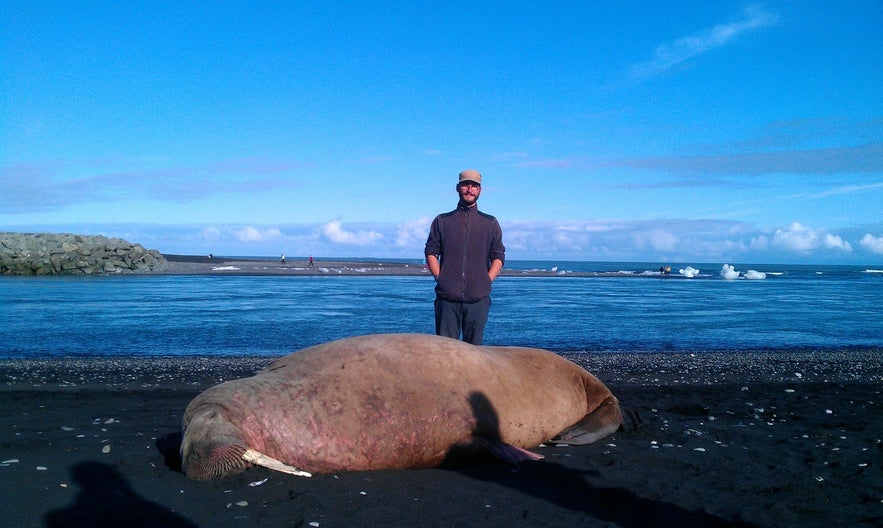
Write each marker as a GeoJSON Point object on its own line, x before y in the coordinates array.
{"type": "Point", "coordinates": [568, 488]}
{"type": "Point", "coordinates": [106, 500]}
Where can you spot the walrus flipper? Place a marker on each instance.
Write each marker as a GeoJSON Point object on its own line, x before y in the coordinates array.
{"type": "Point", "coordinates": [631, 420]}
{"type": "Point", "coordinates": [508, 452]}
{"type": "Point", "coordinates": [604, 420]}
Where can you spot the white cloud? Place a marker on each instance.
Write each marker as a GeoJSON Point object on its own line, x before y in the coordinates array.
{"type": "Point", "coordinates": [671, 54]}
{"type": "Point", "coordinates": [210, 233]}
{"type": "Point", "coordinates": [759, 243]}
{"type": "Point", "coordinates": [412, 233]}
{"type": "Point", "coordinates": [335, 232]}
{"type": "Point", "coordinates": [656, 239]}
{"type": "Point", "coordinates": [872, 243]}
{"type": "Point", "coordinates": [798, 237]}
{"type": "Point", "coordinates": [652, 240]}
{"type": "Point", "coordinates": [253, 234]}
{"type": "Point", "coordinates": [835, 242]}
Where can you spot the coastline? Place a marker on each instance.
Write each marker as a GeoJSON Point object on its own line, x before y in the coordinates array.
{"type": "Point", "coordinates": [784, 438]}
{"type": "Point", "coordinates": [203, 265]}
{"type": "Point", "coordinates": [220, 266]}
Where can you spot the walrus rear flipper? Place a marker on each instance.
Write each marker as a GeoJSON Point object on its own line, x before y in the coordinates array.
{"type": "Point", "coordinates": [631, 420]}
{"type": "Point", "coordinates": [604, 420]}
{"type": "Point", "coordinates": [508, 452]}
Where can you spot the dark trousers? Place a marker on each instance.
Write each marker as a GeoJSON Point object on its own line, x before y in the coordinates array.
{"type": "Point", "coordinates": [453, 317]}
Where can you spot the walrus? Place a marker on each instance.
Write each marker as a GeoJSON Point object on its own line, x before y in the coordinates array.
{"type": "Point", "coordinates": [393, 401]}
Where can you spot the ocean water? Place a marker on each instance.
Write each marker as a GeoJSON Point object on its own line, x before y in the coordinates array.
{"type": "Point", "coordinates": [795, 307]}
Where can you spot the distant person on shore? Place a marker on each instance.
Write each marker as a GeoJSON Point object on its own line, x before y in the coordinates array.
{"type": "Point", "coordinates": [283, 258]}
{"type": "Point", "coordinates": [311, 261]}
{"type": "Point", "coordinates": [465, 253]}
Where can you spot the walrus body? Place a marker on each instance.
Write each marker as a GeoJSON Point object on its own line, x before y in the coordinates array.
{"type": "Point", "coordinates": [391, 402]}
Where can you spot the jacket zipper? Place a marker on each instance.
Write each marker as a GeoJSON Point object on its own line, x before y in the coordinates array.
{"type": "Point", "coordinates": [465, 259]}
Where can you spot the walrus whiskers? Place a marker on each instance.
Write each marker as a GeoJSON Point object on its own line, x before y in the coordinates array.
{"type": "Point", "coordinates": [263, 460]}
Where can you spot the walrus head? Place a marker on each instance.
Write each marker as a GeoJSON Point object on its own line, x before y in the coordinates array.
{"type": "Point", "coordinates": [213, 447]}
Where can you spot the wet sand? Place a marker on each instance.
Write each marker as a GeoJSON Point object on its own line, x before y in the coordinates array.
{"type": "Point", "coordinates": [747, 439]}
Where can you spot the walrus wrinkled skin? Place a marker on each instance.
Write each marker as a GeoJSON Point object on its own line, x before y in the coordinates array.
{"type": "Point", "coordinates": [394, 401]}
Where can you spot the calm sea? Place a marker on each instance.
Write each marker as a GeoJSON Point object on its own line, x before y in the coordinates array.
{"type": "Point", "coordinates": [794, 307]}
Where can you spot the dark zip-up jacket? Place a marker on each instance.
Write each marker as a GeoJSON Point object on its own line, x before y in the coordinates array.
{"type": "Point", "coordinates": [466, 241]}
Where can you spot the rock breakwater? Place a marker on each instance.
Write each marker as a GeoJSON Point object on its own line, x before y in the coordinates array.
{"type": "Point", "coordinates": [67, 254]}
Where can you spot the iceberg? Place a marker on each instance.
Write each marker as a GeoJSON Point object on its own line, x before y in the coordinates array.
{"type": "Point", "coordinates": [754, 275]}
{"type": "Point", "coordinates": [729, 272]}
{"type": "Point", "coordinates": [689, 272]}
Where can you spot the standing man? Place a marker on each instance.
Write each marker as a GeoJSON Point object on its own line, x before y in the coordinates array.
{"type": "Point", "coordinates": [465, 253]}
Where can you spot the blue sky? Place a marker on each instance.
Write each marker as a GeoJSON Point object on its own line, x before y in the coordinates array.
{"type": "Point", "coordinates": [618, 131]}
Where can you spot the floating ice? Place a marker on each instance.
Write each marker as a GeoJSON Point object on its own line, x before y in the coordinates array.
{"type": "Point", "coordinates": [689, 272]}
{"type": "Point", "coordinates": [729, 272]}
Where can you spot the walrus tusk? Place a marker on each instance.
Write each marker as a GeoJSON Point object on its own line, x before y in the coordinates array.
{"type": "Point", "coordinates": [263, 460]}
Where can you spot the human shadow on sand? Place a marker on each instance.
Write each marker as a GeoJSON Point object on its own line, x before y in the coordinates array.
{"type": "Point", "coordinates": [170, 447]}
{"type": "Point", "coordinates": [568, 488]}
{"type": "Point", "coordinates": [106, 500]}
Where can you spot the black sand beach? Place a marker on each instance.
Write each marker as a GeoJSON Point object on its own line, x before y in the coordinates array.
{"type": "Point", "coordinates": [748, 439]}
